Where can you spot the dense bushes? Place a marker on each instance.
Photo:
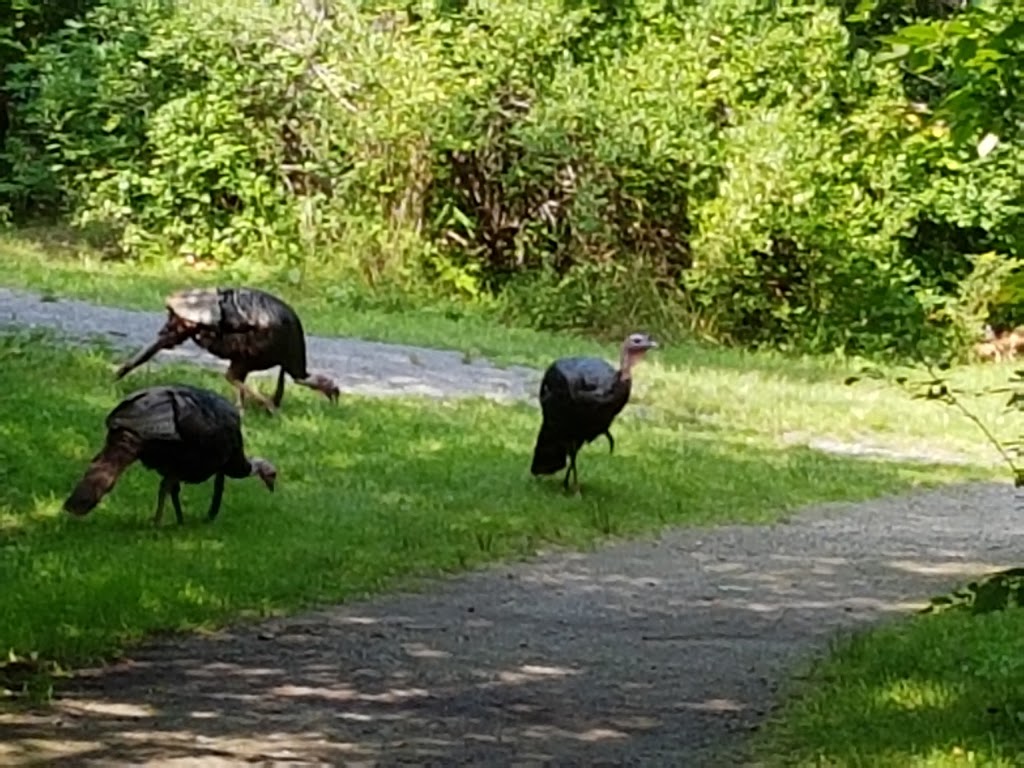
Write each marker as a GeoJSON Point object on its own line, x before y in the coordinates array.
{"type": "Point", "coordinates": [754, 170]}
{"type": "Point", "coordinates": [24, 23]}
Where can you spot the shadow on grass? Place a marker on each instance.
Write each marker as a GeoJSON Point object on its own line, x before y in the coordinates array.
{"type": "Point", "coordinates": [939, 690]}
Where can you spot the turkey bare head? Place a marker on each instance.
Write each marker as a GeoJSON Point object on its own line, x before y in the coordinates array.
{"type": "Point", "coordinates": [634, 348]}
{"type": "Point", "coordinates": [265, 471]}
{"type": "Point", "coordinates": [325, 385]}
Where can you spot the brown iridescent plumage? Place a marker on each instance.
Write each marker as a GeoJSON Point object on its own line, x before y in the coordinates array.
{"type": "Point", "coordinates": [252, 329]}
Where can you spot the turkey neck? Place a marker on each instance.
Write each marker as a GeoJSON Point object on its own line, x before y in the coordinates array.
{"type": "Point", "coordinates": [626, 361]}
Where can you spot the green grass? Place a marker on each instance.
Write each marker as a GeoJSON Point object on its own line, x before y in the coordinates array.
{"type": "Point", "coordinates": [936, 691]}
{"type": "Point", "coordinates": [372, 493]}
{"type": "Point", "coordinates": [696, 388]}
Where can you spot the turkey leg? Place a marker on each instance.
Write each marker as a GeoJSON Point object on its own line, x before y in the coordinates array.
{"type": "Point", "coordinates": [172, 487]}
{"type": "Point", "coordinates": [176, 501]}
{"type": "Point", "coordinates": [236, 375]}
{"type": "Point", "coordinates": [611, 441]}
{"type": "Point", "coordinates": [218, 494]}
{"type": "Point", "coordinates": [170, 336]}
{"type": "Point", "coordinates": [161, 497]}
{"type": "Point", "coordinates": [279, 392]}
{"type": "Point", "coordinates": [571, 470]}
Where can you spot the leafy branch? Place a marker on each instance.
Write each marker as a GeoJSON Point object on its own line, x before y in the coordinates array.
{"type": "Point", "coordinates": [937, 388]}
{"type": "Point", "coordinates": [1005, 588]}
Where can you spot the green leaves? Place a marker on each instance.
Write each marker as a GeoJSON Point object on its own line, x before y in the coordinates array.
{"type": "Point", "coordinates": [973, 59]}
{"type": "Point", "coordinates": [746, 169]}
{"type": "Point", "coordinates": [999, 591]}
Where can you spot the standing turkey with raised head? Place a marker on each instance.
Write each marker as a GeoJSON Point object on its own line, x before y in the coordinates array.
{"type": "Point", "coordinates": [252, 329]}
{"type": "Point", "coordinates": [186, 434]}
{"type": "Point", "coordinates": [579, 399]}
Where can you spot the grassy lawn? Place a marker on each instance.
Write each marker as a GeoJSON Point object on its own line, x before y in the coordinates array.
{"type": "Point", "coordinates": [937, 691]}
{"type": "Point", "coordinates": [371, 493]}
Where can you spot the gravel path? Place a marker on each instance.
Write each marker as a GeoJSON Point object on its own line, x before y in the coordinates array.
{"type": "Point", "coordinates": [363, 367]}
{"type": "Point", "coordinates": [663, 652]}
{"type": "Point", "coordinates": [652, 653]}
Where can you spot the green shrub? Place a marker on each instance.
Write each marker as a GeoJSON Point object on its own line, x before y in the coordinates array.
{"type": "Point", "coordinates": [965, 67]}
{"type": "Point", "coordinates": [751, 170]}
{"type": "Point", "coordinates": [23, 23]}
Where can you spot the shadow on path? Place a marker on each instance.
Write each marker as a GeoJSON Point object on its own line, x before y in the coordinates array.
{"type": "Point", "coordinates": [656, 653]}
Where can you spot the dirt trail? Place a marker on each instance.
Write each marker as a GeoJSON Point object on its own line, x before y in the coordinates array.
{"type": "Point", "coordinates": [662, 652]}
{"type": "Point", "coordinates": [651, 653]}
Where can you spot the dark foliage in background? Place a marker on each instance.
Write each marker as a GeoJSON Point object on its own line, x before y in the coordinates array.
{"type": "Point", "coordinates": [807, 175]}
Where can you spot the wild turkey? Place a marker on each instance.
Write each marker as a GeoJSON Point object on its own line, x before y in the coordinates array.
{"type": "Point", "coordinates": [579, 399]}
{"type": "Point", "coordinates": [185, 433]}
{"type": "Point", "coordinates": [252, 329]}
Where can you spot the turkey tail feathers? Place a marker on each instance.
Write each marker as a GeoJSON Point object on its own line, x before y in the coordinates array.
{"type": "Point", "coordinates": [549, 453]}
{"type": "Point", "coordinates": [121, 450]}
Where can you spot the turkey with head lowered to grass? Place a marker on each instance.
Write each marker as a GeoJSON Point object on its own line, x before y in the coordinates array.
{"type": "Point", "coordinates": [579, 399]}
{"type": "Point", "coordinates": [252, 329]}
{"type": "Point", "coordinates": [186, 434]}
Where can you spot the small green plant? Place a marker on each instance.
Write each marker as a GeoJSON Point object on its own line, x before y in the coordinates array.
{"type": "Point", "coordinates": [604, 521]}
{"type": "Point", "coordinates": [935, 385]}
{"type": "Point", "coordinates": [28, 677]}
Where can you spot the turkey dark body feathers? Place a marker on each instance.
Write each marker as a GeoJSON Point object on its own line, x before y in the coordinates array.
{"type": "Point", "coordinates": [185, 434]}
{"type": "Point", "coordinates": [579, 398]}
{"type": "Point", "coordinates": [245, 324]}
{"type": "Point", "coordinates": [252, 329]}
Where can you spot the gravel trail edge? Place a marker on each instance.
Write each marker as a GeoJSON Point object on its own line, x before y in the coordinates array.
{"type": "Point", "coordinates": [359, 367]}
